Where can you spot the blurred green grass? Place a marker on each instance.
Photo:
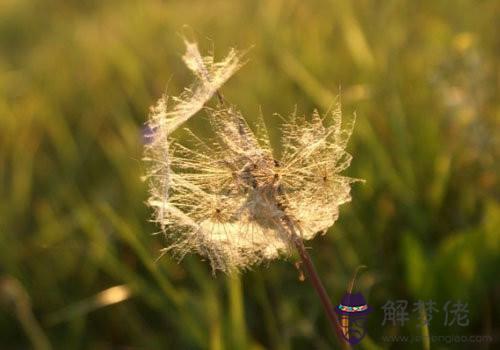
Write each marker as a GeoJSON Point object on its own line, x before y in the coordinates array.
{"type": "Point", "coordinates": [76, 82]}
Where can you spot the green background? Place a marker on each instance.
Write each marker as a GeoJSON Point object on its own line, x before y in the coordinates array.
{"type": "Point", "coordinates": [76, 81]}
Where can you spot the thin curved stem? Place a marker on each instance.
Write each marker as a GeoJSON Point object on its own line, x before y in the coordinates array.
{"type": "Point", "coordinates": [316, 282]}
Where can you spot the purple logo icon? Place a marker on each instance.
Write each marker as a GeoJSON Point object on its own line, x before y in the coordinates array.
{"type": "Point", "coordinates": [353, 311]}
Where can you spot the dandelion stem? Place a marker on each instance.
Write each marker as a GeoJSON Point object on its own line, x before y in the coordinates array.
{"type": "Point", "coordinates": [220, 97]}
{"type": "Point", "coordinates": [316, 282]}
{"type": "Point", "coordinates": [319, 287]}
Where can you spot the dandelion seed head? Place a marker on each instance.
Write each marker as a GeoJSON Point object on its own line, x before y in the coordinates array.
{"type": "Point", "coordinates": [225, 198]}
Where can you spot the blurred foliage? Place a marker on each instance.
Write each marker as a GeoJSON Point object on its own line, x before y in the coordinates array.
{"type": "Point", "coordinates": [76, 81]}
